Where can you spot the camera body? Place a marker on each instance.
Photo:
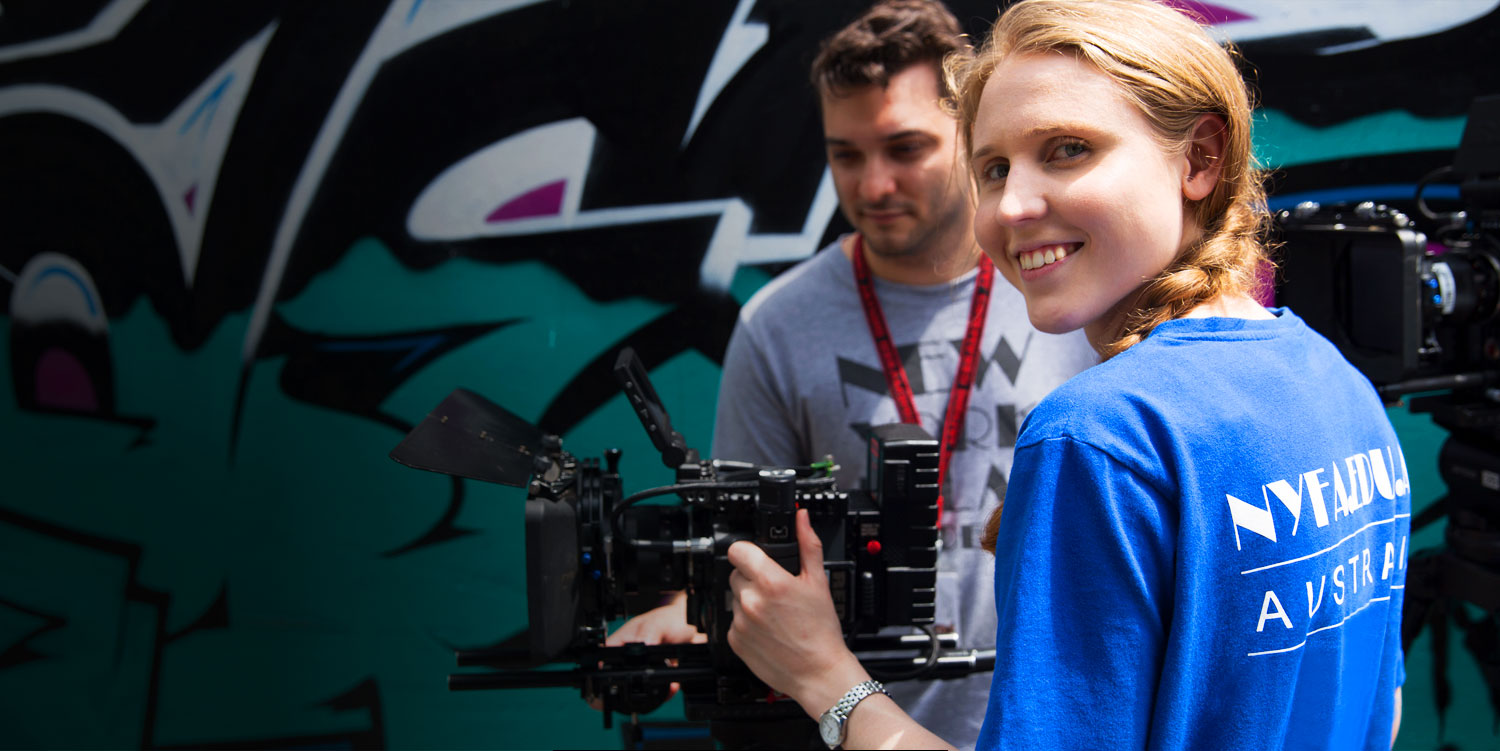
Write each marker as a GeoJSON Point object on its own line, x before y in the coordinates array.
{"type": "Point", "coordinates": [589, 560]}
{"type": "Point", "coordinates": [595, 555]}
{"type": "Point", "coordinates": [1412, 315]}
{"type": "Point", "coordinates": [1400, 310]}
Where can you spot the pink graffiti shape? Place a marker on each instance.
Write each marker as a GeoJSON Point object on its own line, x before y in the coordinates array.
{"type": "Point", "coordinates": [190, 196]}
{"type": "Point", "coordinates": [62, 382]}
{"type": "Point", "coordinates": [1207, 12]}
{"type": "Point", "coordinates": [544, 201]}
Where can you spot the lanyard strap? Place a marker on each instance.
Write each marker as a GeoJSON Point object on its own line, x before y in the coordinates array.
{"type": "Point", "coordinates": [895, 372]}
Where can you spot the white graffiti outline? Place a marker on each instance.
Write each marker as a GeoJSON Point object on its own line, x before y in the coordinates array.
{"type": "Point", "coordinates": [181, 154]}
{"type": "Point", "coordinates": [406, 23]}
{"type": "Point", "coordinates": [741, 41]}
{"type": "Point", "coordinates": [105, 26]}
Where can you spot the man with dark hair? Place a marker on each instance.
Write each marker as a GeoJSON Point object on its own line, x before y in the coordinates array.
{"type": "Point", "coordinates": [886, 39]}
{"type": "Point", "coordinates": [805, 374]}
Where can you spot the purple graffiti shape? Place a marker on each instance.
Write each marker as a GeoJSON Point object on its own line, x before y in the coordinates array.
{"type": "Point", "coordinates": [544, 201]}
{"type": "Point", "coordinates": [1207, 12]}
{"type": "Point", "coordinates": [190, 196]}
{"type": "Point", "coordinates": [62, 382]}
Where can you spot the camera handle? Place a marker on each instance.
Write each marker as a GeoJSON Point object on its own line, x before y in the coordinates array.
{"type": "Point", "coordinates": [631, 374]}
{"type": "Point", "coordinates": [776, 518]}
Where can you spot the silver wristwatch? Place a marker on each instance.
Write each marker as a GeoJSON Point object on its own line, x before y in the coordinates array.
{"type": "Point", "coordinates": [833, 724]}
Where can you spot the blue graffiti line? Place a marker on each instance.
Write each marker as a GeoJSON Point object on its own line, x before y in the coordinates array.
{"type": "Point", "coordinates": [210, 104]}
{"type": "Point", "coordinates": [413, 12]}
{"type": "Point", "coordinates": [1356, 193]}
{"type": "Point", "coordinates": [419, 346]}
{"type": "Point", "coordinates": [82, 285]}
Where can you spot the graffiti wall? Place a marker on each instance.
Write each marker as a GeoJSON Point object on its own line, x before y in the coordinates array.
{"type": "Point", "coordinates": [245, 246]}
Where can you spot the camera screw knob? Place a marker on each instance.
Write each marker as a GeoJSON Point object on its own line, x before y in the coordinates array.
{"type": "Point", "coordinates": [1306, 209]}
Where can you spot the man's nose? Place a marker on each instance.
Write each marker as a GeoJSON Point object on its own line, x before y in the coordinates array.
{"type": "Point", "coordinates": [877, 181]}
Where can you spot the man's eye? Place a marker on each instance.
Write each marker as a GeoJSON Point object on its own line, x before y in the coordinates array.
{"type": "Point", "coordinates": [907, 151]}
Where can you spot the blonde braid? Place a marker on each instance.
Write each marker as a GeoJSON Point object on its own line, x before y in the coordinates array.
{"type": "Point", "coordinates": [1232, 259]}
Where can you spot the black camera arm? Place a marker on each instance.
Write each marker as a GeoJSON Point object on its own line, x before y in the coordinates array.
{"type": "Point", "coordinates": [636, 678]}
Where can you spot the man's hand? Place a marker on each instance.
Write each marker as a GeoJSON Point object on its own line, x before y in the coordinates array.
{"type": "Point", "coordinates": [785, 627]}
{"type": "Point", "coordinates": [665, 624]}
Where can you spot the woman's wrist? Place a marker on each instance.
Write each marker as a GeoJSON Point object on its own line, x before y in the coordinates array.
{"type": "Point", "coordinates": [824, 689]}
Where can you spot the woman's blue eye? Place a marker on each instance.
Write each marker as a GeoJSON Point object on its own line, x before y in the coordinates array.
{"type": "Point", "coordinates": [1071, 149]}
{"type": "Point", "coordinates": [995, 172]}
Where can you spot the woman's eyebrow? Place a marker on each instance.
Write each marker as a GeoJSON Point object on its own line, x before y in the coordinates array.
{"type": "Point", "coordinates": [1035, 132]}
{"type": "Point", "coordinates": [1051, 128]}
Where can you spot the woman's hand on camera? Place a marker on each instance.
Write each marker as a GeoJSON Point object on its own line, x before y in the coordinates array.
{"type": "Point", "coordinates": [785, 627]}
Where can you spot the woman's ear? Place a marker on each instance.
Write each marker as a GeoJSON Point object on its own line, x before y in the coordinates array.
{"type": "Point", "coordinates": [1204, 152]}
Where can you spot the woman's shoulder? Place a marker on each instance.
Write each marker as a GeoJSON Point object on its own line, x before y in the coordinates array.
{"type": "Point", "coordinates": [1151, 393]}
{"type": "Point", "coordinates": [1092, 406]}
{"type": "Point", "coordinates": [1195, 380]}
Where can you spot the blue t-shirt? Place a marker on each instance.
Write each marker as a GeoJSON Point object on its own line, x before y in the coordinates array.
{"type": "Point", "coordinates": [1203, 546]}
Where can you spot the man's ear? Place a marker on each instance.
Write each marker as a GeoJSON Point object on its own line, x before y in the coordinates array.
{"type": "Point", "coordinates": [1204, 156]}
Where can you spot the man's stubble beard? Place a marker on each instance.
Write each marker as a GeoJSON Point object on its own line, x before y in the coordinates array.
{"type": "Point", "coordinates": [938, 239]}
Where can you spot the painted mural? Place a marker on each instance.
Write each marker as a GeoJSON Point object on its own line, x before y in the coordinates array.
{"type": "Point", "coordinates": [246, 245]}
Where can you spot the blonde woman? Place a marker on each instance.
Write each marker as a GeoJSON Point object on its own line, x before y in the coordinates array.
{"type": "Point", "coordinates": [1203, 543]}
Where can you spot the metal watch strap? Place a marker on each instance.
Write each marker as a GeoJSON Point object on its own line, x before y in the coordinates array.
{"type": "Point", "coordinates": [855, 695]}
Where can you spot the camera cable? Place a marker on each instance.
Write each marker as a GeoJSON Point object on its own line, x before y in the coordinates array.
{"type": "Point", "coordinates": [932, 660]}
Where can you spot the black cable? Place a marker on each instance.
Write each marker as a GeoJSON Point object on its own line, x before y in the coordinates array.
{"type": "Point", "coordinates": [1422, 184]}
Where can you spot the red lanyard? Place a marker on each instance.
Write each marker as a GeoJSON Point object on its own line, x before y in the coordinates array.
{"type": "Point", "coordinates": [895, 372]}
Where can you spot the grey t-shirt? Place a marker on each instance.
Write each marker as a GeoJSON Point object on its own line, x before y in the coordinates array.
{"type": "Point", "coordinates": [802, 380]}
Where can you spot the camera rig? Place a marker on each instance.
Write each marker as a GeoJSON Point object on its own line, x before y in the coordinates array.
{"type": "Point", "coordinates": [594, 555]}
{"type": "Point", "coordinates": [1421, 320]}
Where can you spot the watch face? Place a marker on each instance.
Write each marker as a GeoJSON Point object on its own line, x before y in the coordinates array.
{"type": "Point", "coordinates": [828, 727]}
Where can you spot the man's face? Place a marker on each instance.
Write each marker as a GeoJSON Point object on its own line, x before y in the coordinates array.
{"type": "Point", "coordinates": [893, 156]}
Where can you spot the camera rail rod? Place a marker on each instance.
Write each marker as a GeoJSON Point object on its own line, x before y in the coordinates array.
{"type": "Point", "coordinates": [949, 664]}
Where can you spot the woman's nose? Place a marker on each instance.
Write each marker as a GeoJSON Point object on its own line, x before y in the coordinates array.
{"type": "Point", "coordinates": [1023, 198]}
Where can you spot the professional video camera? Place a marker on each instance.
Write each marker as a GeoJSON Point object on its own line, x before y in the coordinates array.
{"type": "Point", "coordinates": [594, 556]}
{"type": "Point", "coordinates": [1410, 317]}
{"type": "Point", "coordinates": [1416, 316]}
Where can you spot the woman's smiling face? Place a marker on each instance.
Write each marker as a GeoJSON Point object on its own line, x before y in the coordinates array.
{"type": "Point", "coordinates": [1078, 203]}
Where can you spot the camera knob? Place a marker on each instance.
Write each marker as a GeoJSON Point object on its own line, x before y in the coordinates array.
{"type": "Point", "coordinates": [1306, 209]}
{"type": "Point", "coordinates": [778, 490]}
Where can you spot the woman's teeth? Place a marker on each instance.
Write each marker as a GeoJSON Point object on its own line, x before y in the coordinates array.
{"type": "Point", "coordinates": [1036, 259]}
